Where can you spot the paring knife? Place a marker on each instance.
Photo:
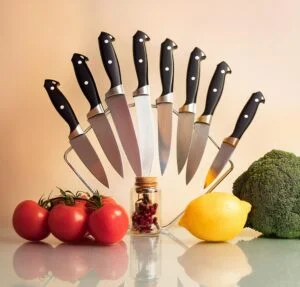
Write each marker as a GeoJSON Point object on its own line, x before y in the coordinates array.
{"type": "Point", "coordinates": [117, 104]}
{"type": "Point", "coordinates": [229, 144]}
{"type": "Point", "coordinates": [96, 115]}
{"type": "Point", "coordinates": [202, 125]}
{"type": "Point", "coordinates": [78, 139]}
{"type": "Point", "coordinates": [142, 102]}
{"type": "Point", "coordinates": [165, 102]}
{"type": "Point", "coordinates": [187, 111]}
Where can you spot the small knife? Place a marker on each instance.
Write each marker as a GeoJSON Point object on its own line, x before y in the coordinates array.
{"type": "Point", "coordinates": [165, 102]}
{"type": "Point", "coordinates": [229, 144]}
{"type": "Point", "coordinates": [96, 115]}
{"type": "Point", "coordinates": [187, 111]}
{"type": "Point", "coordinates": [142, 102]}
{"type": "Point", "coordinates": [117, 104]}
{"type": "Point", "coordinates": [78, 139]}
{"type": "Point", "coordinates": [202, 125]}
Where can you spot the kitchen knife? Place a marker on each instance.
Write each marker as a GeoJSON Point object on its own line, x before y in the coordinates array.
{"type": "Point", "coordinates": [96, 115]}
{"type": "Point", "coordinates": [202, 125]}
{"type": "Point", "coordinates": [117, 104]}
{"type": "Point", "coordinates": [142, 102]}
{"type": "Point", "coordinates": [164, 103]}
{"type": "Point", "coordinates": [229, 144]}
{"type": "Point", "coordinates": [187, 111]}
{"type": "Point", "coordinates": [78, 139]}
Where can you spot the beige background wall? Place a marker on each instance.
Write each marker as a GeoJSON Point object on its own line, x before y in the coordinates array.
{"type": "Point", "coordinates": [259, 39]}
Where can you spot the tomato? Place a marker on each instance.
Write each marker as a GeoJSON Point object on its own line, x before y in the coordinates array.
{"type": "Point", "coordinates": [108, 224]}
{"type": "Point", "coordinates": [68, 223]}
{"type": "Point", "coordinates": [108, 200]}
{"type": "Point", "coordinates": [30, 221]}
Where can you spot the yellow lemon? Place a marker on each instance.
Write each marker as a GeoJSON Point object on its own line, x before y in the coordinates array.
{"type": "Point", "coordinates": [216, 216]}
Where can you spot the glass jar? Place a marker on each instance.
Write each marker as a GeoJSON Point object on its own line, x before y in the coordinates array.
{"type": "Point", "coordinates": [145, 207]}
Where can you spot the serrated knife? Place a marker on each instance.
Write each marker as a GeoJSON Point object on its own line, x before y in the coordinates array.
{"type": "Point", "coordinates": [96, 115]}
{"type": "Point", "coordinates": [142, 102]}
{"type": "Point", "coordinates": [78, 139]}
{"type": "Point", "coordinates": [202, 125]}
{"type": "Point", "coordinates": [229, 144]}
{"type": "Point", "coordinates": [164, 103]}
{"type": "Point", "coordinates": [117, 104]}
{"type": "Point", "coordinates": [187, 111]}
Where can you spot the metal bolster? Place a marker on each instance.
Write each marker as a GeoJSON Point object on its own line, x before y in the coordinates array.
{"type": "Point", "coordinates": [95, 111]}
{"type": "Point", "coordinates": [142, 91]}
{"type": "Point", "coordinates": [189, 108]}
{"type": "Point", "coordinates": [167, 98]}
{"type": "Point", "coordinates": [231, 141]}
{"type": "Point", "coordinates": [117, 90]}
{"type": "Point", "coordinates": [204, 119]}
{"type": "Point", "coordinates": [76, 132]}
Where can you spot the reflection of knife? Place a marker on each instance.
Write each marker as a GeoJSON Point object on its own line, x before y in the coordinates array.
{"type": "Point", "coordinates": [117, 103]}
{"type": "Point", "coordinates": [202, 125]}
{"type": "Point", "coordinates": [142, 102]}
{"type": "Point", "coordinates": [96, 116]}
{"type": "Point", "coordinates": [229, 144]}
{"type": "Point", "coordinates": [187, 111]}
{"type": "Point", "coordinates": [165, 102]}
{"type": "Point", "coordinates": [78, 139]}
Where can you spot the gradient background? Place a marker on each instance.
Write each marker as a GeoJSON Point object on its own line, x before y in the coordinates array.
{"type": "Point", "coordinates": [258, 39]}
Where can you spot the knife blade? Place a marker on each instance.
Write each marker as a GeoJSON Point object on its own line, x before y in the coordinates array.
{"type": "Point", "coordinates": [202, 125]}
{"type": "Point", "coordinates": [117, 104]}
{"type": "Point", "coordinates": [78, 139]}
{"type": "Point", "coordinates": [142, 102]}
{"type": "Point", "coordinates": [96, 115]}
{"type": "Point", "coordinates": [187, 111]}
{"type": "Point", "coordinates": [229, 144]}
{"type": "Point", "coordinates": [164, 103]}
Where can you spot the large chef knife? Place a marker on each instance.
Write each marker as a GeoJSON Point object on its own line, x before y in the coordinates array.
{"type": "Point", "coordinates": [229, 144]}
{"type": "Point", "coordinates": [165, 102]}
{"type": "Point", "coordinates": [78, 139]}
{"type": "Point", "coordinates": [142, 102]}
{"type": "Point", "coordinates": [117, 104]}
{"type": "Point", "coordinates": [202, 125]}
{"type": "Point", "coordinates": [187, 111]}
{"type": "Point", "coordinates": [96, 115]}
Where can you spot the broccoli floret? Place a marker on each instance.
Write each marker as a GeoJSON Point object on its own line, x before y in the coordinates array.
{"type": "Point", "coordinates": [272, 186]}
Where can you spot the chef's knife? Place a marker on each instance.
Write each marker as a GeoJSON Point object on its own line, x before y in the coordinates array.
{"type": "Point", "coordinates": [142, 102]}
{"type": "Point", "coordinates": [187, 111]}
{"type": "Point", "coordinates": [117, 104]}
{"type": "Point", "coordinates": [78, 139]}
{"type": "Point", "coordinates": [96, 115]}
{"type": "Point", "coordinates": [165, 102]}
{"type": "Point", "coordinates": [202, 125]}
{"type": "Point", "coordinates": [229, 144]}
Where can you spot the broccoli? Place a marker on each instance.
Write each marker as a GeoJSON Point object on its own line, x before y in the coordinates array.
{"type": "Point", "coordinates": [272, 186]}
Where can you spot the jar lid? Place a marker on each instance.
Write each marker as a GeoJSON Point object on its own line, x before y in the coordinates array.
{"type": "Point", "coordinates": [146, 180]}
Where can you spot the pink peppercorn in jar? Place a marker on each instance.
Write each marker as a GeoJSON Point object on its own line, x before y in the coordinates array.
{"type": "Point", "coordinates": [145, 207]}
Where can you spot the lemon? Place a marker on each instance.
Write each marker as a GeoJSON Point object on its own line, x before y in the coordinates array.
{"type": "Point", "coordinates": [216, 216]}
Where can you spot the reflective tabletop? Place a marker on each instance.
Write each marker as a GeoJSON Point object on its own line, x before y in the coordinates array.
{"type": "Point", "coordinates": [175, 258]}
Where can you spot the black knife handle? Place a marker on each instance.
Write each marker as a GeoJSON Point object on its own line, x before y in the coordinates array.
{"type": "Point", "coordinates": [140, 57]}
{"type": "Point", "coordinates": [61, 104]}
{"type": "Point", "coordinates": [247, 114]}
{"type": "Point", "coordinates": [85, 79]}
{"type": "Point", "coordinates": [193, 75]}
{"type": "Point", "coordinates": [215, 88]}
{"type": "Point", "coordinates": [109, 59]}
{"type": "Point", "coordinates": [167, 65]}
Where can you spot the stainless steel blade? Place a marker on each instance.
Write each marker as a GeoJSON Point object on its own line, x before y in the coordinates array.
{"type": "Point", "coordinates": [123, 122]}
{"type": "Point", "coordinates": [219, 163]}
{"type": "Point", "coordinates": [184, 137]}
{"type": "Point", "coordinates": [164, 112]}
{"type": "Point", "coordinates": [107, 141]}
{"type": "Point", "coordinates": [88, 156]}
{"type": "Point", "coordinates": [146, 132]}
{"type": "Point", "coordinates": [198, 145]}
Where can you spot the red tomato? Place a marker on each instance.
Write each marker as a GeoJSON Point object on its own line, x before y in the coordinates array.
{"type": "Point", "coordinates": [108, 224]}
{"type": "Point", "coordinates": [30, 220]}
{"type": "Point", "coordinates": [68, 223]}
{"type": "Point", "coordinates": [108, 200]}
